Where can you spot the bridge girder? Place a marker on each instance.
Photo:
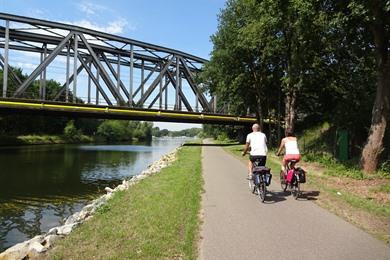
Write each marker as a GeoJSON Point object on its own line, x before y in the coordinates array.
{"type": "Point", "coordinates": [103, 58]}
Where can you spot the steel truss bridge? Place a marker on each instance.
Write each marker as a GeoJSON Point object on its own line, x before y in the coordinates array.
{"type": "Point", "coordinates": [102, 75]}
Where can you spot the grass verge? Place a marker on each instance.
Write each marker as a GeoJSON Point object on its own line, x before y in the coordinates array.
{"type": "Point", "coordinates": [155, 219]}
{"type": "Point", "coordinates": [363, 202]}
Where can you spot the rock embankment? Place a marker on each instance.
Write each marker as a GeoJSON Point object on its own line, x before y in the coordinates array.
{"type": "Point", "coordinates": [32, 248]}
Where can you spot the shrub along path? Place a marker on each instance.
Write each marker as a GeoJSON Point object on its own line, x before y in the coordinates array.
{"type": "Point", "coordinates": [238, 226]}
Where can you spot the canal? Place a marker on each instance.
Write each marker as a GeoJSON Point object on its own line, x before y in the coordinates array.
{"type": "Point", "coordinates": [42, 185]}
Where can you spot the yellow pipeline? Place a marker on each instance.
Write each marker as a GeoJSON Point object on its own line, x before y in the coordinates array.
{"type": "Point", "coordinates": [127, 111]}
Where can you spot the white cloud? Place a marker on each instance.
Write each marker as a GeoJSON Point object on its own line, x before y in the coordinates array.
{"type": "Point", "coordinates": [26, 65]}
{"type": "Point", "coordinates": [37, 12]}
{"type": "Point", "coordinates": [113, 27]}
{"type": "Point", "coordinates": [90, 8]}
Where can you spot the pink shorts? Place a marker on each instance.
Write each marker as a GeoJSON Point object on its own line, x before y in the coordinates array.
{"type": "Point", "coordinates": [289, 157]}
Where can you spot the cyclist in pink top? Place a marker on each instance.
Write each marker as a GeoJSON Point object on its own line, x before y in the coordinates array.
{"type": "Point", "coordinates": [290, 144]}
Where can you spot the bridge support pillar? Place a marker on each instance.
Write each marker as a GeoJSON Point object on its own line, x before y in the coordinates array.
{"type": "Point", "coordinates": [5, 69]}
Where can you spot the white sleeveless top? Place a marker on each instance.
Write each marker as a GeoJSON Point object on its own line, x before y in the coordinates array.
{"type": "Point", "coordinates": [291, 147]}
{"type": "Point", "coordinates": [258, 143]}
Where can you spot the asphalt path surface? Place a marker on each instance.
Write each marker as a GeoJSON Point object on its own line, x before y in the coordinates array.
{"type": "Point", "coordinates": [236, 225]}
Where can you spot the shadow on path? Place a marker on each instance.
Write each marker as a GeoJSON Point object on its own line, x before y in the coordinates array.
{"type": "Point", "coordinates": [305, 195]}
{"type": "Point", "coordinates": [274, 197]}
{"type": "Point", "coordinates": [309, 195]}
{"type": "Point", "coordinates": [278, 196]}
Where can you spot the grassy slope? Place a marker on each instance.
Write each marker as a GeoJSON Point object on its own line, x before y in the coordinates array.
{"type": "Point", "coordinates": [157, 218]}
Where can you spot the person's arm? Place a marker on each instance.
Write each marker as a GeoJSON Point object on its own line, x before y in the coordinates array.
{"type": "Point", "coordinates": [280, 147]}
{"type": "Point", "coordinates": [246, 148]}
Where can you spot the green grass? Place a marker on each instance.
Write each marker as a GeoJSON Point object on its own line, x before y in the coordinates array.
{"type": "Point", "coordinates": [385, 188]}
{"type": "Point", "coordinates": [155, 219]}
{"type": "Point", "coordinates": [363, 203]}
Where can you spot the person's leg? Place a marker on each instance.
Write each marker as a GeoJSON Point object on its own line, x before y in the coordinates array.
{"type": "Point", "coordinates": [249, 168]}
{"type": "Point", "coordinates": [284, 164]}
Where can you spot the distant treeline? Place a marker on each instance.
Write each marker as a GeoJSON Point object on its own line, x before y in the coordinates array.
{"type": "Point", "coordinates": [74, 130]}
{"type": "Point", "coordinates": [186, 132]}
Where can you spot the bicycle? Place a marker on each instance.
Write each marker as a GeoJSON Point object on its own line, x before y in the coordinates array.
{"type": "Point", "coordinates": [295, 183]}
{"type": "Point", "coordinates": [259, 181]}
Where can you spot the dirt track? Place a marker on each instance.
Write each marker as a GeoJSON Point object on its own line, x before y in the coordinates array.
{"type": "Point", "coordinates": [238, 226]}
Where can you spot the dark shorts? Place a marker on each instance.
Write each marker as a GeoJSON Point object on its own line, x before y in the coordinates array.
{"type": "Point", "coordinates": [261, 159]}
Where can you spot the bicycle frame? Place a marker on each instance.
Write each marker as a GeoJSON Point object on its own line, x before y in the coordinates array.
{"type": "Point", "coordinates": [258, 181]}
{"type": "Point", "coordinates": [294, 184]}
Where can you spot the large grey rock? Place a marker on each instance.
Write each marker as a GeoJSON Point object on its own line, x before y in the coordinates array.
{"type": "Point", "coordinates": [72, 219]}
{"type": "Point", "coordinates": [37, 247]}
{"type": "Point", "coordinates": [121, 187]}
{"type": "Point", "coordinates": [52, 231]}
{"type": "Point", "coordinates": [108, 189]}
{"type": "Point", "coordinates": [50, 240]}
{"type": "Point", "coordinates": [18, 251]}
{"type": "Point", "coordinates": [66, 229]}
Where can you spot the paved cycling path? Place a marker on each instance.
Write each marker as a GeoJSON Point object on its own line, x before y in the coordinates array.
{"type": "Point", "coordinates": [238, 226]}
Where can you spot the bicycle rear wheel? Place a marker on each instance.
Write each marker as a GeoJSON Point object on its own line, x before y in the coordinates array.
{"type": "Point", "coordinates": [251, 186]}
{"type": "Point", "coordinates": [261, 191]}
{"type": "Point", "coordinates": [283, 182]}
{"type": "Point", "coordinates": [296, 190]}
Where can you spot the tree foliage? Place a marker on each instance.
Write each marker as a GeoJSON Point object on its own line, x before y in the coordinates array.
{"type": "Point", "coordinates": [191, 132]}
{"type": "Point", "coordinates": [306, 62]}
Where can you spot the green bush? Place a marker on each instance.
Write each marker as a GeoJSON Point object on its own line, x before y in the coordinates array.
{"type": "Point", "coordinates": [114, 130]}
{"type": "Point", "coordinates": [71, 133]}
{"type": "Point", "coordinates": [222, 137]}
{"type": "Point", "coordinates": [385, 167]}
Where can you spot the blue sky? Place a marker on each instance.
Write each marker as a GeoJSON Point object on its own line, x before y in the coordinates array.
{"type": "Point", "coordinates": [182, 25]}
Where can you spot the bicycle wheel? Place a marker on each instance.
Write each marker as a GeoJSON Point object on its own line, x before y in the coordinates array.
{"type": "Point", "coordinates": [261, 191]}
{"type": "Point", "coordinates": [296, 190]}
{"type": "Point", "coordinates": [283, 182]}
{"type": "Point", "coordinates": [251, 186]}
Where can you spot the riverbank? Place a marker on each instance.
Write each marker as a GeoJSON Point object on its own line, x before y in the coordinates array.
{"type": "Point", "coordinates": [55, 139]}
{"type": "Point", "coordinates": [147, 220]}
{"type": "Point", "coordinates": [364, 203]}
{"type": "Point", "coordinates": [42, 139]}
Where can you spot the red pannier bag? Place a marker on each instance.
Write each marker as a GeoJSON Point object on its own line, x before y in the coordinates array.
{"type": "Point", "coordinates": [290, 175]}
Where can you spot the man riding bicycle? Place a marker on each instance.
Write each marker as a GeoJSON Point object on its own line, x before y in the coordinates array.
{"type": "Point", "coordinates": [257, 141]}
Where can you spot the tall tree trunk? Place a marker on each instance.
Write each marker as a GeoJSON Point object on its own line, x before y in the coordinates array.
{"type": "Point", "coordinates": [290, 110]}
{"type": "Point", "coordinates": [380, 112]}
{"type": "Point", "coordinates": [259, 111]}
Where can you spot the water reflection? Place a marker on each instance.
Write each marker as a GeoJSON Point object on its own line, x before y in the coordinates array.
{"type": "Point", "coordinates": [42, 185]}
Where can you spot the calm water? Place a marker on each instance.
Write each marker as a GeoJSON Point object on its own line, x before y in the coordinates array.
{"type": "Point", "coordinates": [42, 185]}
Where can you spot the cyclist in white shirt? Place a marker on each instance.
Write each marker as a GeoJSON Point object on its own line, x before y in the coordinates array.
{"type": "Point", "coordinates": [290, 144]}
{"type": "Point", "coordinates": [257, 141]}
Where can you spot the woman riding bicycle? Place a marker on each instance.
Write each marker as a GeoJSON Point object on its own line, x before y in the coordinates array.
{"type": "Point", "coordinates": [290, 143]}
